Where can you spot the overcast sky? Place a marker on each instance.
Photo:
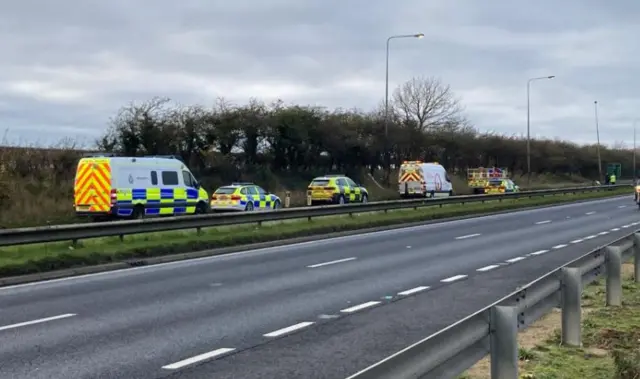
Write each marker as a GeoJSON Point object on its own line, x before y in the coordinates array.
{"type": "Point", "coordinates": [66, 66]}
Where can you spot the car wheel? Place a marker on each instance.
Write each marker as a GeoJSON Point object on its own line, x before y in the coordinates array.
{"type": "Point", "coordinates": [249, 207]}
{"type": "Point", "coordinates": [365, 199]}
{"type": "Point", "coordinates": [341, 200]}
{"type": "Point", "coordinates": [277, 205]}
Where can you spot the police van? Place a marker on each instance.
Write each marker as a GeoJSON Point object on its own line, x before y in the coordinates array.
{"type": "Point", "coordinates": [419, 179]}
{"type": "Point", "coordinates": [108, 187]}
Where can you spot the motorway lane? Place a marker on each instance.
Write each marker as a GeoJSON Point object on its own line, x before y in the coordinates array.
{"type": "Point", "coordinates": [131, 323]}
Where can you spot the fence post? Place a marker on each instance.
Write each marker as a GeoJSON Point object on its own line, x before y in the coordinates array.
{"type": "Point", "coordinates": [504, 342]}
{"type": "Point", "coordinates": [636, 257]}
{"type": "Point", "coordinates": [287, 199]}
{"type": "Point", "coordinates": [571, 306]}
{"type": "Point", "coordinates": [614, 275]}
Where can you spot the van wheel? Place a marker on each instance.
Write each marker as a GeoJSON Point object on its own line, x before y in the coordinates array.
{"type": "Point", "coordinates": [201, 208]}
{"type": "Point", "coordinates": [451, 193]}
{"type": "Point", "coordinates": [432, 194]}
{"type": "Point", "coordinates": [138, 212]}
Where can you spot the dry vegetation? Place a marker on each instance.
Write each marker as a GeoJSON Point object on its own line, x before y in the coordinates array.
{"type": "Point", "coordinates": [282, 147]}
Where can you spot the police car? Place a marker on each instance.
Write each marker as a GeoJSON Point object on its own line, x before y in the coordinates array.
{"type": "Point", "coordinates": [244, 196]}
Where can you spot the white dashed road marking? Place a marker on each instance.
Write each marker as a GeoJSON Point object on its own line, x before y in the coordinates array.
{"type": "Point", "coordinates": [615, 229]}
{"type": "Point", "coordinates": [288, 329]}
{"type": "Point", "coordinates": [559, 246]}
{"type": "Point", "coordinates": [453, 278]}
{"type": "Point", "coordinates": [622, 206]}
{"type": "Point", "coordinates": [589, 237]}
{"type": "Point", "coordinates": [576, 241]}
{"type": "Point", "coordinates": [38, 321]}
{"type": "Point", "coordinates": [590, 213]}
{"type": "Point", "coordinates": [332, 262]}
{"type": "Point", "coordinates": [356, 308]}
{"type": "Point", "coordinates": [516, 259]}
{"type": "Point", "coordinates": [468, 236]}
{"type": "Point", "coordinates": [197, 358]}
{"type": "Point", "coordinates": [413, 290]}
{"type": "Point", "coordinates": [487, 268]}
{"type": "Point", "coordinates": [603, 233]}
{"type": "Point", "coordinates": [626, 226]}
{"type": "Point", "coordinates": [539, 252]}
{"type": "Point", "coordinates": [543, 222]}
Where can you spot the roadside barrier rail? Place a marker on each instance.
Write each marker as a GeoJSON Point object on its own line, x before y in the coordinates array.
{"type": "Point", "coordinates": [76, 232]}
{"type": "Point", "coordinates": [494, 330]}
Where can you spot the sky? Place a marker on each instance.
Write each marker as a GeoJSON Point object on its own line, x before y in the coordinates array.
{"type": "Point", "coordinates": [67, 66]}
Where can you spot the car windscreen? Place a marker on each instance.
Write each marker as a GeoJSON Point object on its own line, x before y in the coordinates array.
{"type": "Point", "coordinates": [319, 183]}
{"type": "Point", "coordinates": [225, 190]}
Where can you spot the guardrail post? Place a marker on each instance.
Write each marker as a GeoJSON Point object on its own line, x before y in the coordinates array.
{"type": "Point", "coordinates": [571, 306]}
{"type": "Point", "coordinates": [504, 342]}
{"type": "Point", "coordinates": [636, 257]}
{"type": "Point", "coordinates": [287, 199]}
{"type": "Point", "coordinates": [614, 275]}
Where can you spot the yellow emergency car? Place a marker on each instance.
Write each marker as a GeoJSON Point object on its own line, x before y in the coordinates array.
{"type": "Point", "coordinates": [335, 189]}
{"type": "Point", "coordinates": [497, 186]}
{"type": "Point", "coordinates": [244, 196]}
{"type": "Point", "coordinates": [108, 187]}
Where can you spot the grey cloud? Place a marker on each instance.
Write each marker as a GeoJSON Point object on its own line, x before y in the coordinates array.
{"type": "Point", "coordinates": [68, 65]}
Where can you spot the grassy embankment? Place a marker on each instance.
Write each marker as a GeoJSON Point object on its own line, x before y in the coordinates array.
{"type": "Point", "coordinates": [43, 194]}
{"type": "Point", "coordinates": [46, 257]}
{"type": "Point", "coordinates": [611, 340]}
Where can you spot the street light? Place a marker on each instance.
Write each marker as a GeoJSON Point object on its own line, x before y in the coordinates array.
{"type": "Point", "coordinates": [635, 173]}
{"type": "Point", "coordinates": [595, 105]}
{"type": "Point", "coordinates": [529, 124]}
{"type": "Point", "coordinates": [386, 96]}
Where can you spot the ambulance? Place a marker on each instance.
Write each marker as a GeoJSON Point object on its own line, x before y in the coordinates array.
{"type": "Point", "coordinates": [419, 179]}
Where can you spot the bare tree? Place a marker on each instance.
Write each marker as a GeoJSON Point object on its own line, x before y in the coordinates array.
{"type": "Point", "coordinates": [426, 103]}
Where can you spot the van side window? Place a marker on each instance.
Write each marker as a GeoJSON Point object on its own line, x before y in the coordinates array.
{"type": "Point", "coordinates": [188, 180]}
{"type": "Point", "coordinates": [170, 178]}
{"type": "Point", "coordinates": [154, 178]}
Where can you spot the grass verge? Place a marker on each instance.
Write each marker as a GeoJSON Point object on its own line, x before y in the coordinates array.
{"type": "Point", "coordinates": [610, 337]}
{"type": "Point", "coordinates": [29, 259]}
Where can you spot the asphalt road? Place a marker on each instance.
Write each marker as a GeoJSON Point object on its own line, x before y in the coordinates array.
{"type": "Point", "coordinates": [323, 309]}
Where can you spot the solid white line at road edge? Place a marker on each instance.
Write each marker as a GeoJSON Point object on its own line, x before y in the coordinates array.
{"type": "Point", "coordinates": [197, 358]}
{"type": "Point", "coordinates": [413, 290]}
{"type": "Point", "coordinates": [360, 306]}
{"type": "Point", "coordinates": [453, 278]}
{"type": "Point", "coordinates": [468, 236]}
{"type": "Point", "coordinates": [332, 262]}
{"type": "Point", "coordinates": [288, 329]}
{"type": "Point", "coordinates": [38, 321]}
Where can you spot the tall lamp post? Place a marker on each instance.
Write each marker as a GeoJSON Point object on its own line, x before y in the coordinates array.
{"type": "Point", "coordinates": [635, 172]}
{"type": "Point", "coordinates": [529, 124]}
{"type": "Point", "coordinates": [595, 106]}
{"type": "Point", "coordinates": [386, 103]}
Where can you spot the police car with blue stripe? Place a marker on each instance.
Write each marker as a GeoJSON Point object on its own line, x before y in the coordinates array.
{"type": "Point", "coordinates": [244, 196]}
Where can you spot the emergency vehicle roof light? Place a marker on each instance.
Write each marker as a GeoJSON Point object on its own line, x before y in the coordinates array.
{"type": "Point", "coordinates": [242, 184]}
{"type": "Point", "coordinates": [333, 176]}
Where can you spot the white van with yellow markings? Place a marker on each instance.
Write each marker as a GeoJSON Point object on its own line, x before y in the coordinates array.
{"type": "Point", "coordinates": [419, 179]}
{"type": "Point", "coordinates": [108, 187]}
